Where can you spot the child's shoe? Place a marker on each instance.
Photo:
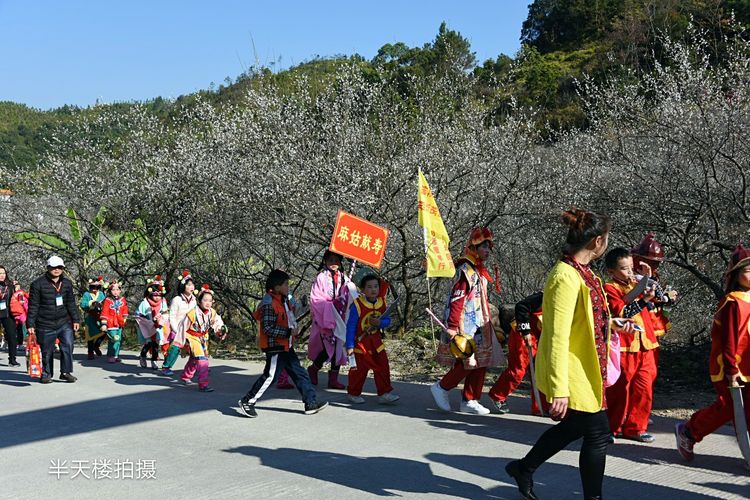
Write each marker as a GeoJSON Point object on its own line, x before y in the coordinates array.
{"type": "Point", "coordinates": [186, 383]}
{"type": "Point", "coordinates": [154, 366]}
{"type": "Point", "coordinates": [312, 408]}
{"type": "Point", "coordinates": [473, 407]}
{"type": "Point", "coordinates": [440, 396]}
{"type": "Point", "coordinates": [357, 400]}
{"type": "Point", "coordinates": [167, 372]}
{"type": "Point", "coordinates": [111, 359]}
{"type": "Point", "coordinates": [247, 409]}
{"type": "Point", "coordinates": [684, 442]}
{"type": "Point", "coordinates": [207, 388]}
{"type": "Point", "coordinates": [388, 398]}
{"type": "Point", "coordinates": [142, 361]}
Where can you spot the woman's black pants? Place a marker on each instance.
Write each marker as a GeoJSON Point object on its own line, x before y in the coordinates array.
{"type": "Point", "coordinates": [595, 431]}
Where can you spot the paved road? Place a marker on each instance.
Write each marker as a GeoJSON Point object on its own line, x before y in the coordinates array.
{"type": "Point", "coordinates": [197, 444]}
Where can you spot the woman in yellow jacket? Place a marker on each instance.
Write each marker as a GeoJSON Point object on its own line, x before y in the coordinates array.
{"type": "Point", "coordinates": [572, 358]}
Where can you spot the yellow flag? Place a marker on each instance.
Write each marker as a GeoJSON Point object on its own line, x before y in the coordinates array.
{"type": "Point", "coordinates": [439, 260]}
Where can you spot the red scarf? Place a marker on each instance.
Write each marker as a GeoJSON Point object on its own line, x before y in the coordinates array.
{"type": "Point", "coordinates": [155, 306]}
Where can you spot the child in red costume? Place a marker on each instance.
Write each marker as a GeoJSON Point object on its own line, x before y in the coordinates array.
{"type": "Point", "coordinates": [630, 399]}
{"type": "Point", "coordinates": [525, 332]}
{"type": "Point", "coordinates": [468, 314]}
{"type": "Point", "coordinates": [729, 363]}
{"type": "Point", "coordinates": [365, 341]}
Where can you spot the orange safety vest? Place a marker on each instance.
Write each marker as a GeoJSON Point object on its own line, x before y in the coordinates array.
{"type": "Point", "coordinates": [265, 342]}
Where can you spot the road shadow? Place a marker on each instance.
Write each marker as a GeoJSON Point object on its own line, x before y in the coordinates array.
{"type": "Point", "coordinates": [563, 481]}
{"type": "Point", "coordinates": [381, 476]}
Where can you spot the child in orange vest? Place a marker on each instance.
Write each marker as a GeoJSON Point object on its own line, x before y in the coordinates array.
{"type": "Point", "coordinates": [276, 327]}
{"type": "Point", "coordinates": [364, 340]}
{"type": "Point", "coordinates": [630, 399]}
{"type": "Point", "coordinates": [729, 363]}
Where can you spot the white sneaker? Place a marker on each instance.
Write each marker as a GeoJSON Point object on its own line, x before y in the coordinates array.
{"type": "Point", "coordinates": [474, 407]}
{"type": "Point", "coordinates": [154, 366]}
{"type": "Point", "coordinates": [440, 396]}
{"type": "Point", "coordinates": [388, 398]}
{"type": "Point", "coordinates": [357, 400]}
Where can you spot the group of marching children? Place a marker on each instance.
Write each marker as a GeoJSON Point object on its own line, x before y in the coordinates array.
{"type": "Point", "coordinates": [633, 292]}
{"type": "Point", "coordinates": [344, 321]}
{"type": "Point", "coordinates": [182, 328]}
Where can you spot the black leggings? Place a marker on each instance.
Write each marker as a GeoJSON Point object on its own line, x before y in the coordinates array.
{"type": "Point", "coordinates": [152, 346]}
{"type": "Point", "coordinates": [323, 357]}
{"type": "Point", "coordinates": [95, 344]}
{"type": "Point", "coordinates": [11, 337]}
{"type": "Point", "coordinates": [594, 429]}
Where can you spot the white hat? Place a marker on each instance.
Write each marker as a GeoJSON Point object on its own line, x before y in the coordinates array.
{"type": "Point", "coordinates": [55, 261]}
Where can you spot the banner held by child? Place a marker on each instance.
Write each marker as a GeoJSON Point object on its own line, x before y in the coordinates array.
{"type": "Point", "coordinates": [359, 239]}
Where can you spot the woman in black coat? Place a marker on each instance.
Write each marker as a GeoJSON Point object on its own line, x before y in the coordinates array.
{"type": "Point", "coordinates": [6, 319]}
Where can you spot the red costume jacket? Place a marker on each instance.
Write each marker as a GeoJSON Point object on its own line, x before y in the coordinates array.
{"type": "Point", "coordinates": [113, 314]}
{"type": "Point", "coordinates": [730, 338]}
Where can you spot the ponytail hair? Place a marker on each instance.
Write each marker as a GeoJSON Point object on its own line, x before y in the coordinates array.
{"type": "Point", "coordinates": [583, 226]}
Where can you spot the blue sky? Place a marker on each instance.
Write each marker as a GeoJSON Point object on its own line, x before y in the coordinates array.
{"type": "Point", "coordinates": [75, 51]}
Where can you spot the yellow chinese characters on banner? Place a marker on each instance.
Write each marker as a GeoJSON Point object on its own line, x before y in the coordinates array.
{"type": "Point", "coordinates": [359, 239]}
{"type": "Point", "coordinates": [439, 260]}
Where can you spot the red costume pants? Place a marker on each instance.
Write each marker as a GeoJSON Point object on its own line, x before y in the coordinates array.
{"type": "Point", "coordinates": [630, 399]}
{"type": "Point", "coordinates": [473, 380]}
{"type": "Point", "coordinates": [518, 363]}
{"type": "Point", "coordinates": [381, 371]}
{"type": "Point", "coordinates": [705, 421]}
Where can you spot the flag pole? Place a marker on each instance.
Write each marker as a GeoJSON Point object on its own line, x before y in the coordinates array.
{"type": "Point", "coordinates": [427, 276]}
{"type": "Point", "coordinates": [429, 295]}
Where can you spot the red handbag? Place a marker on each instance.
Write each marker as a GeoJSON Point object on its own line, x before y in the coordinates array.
{"type": "Point", "coordinates": [33, 358]}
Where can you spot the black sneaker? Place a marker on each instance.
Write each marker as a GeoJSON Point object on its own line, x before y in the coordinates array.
{"type": "Point", "coordinates": [315, 407]}
{"type": "Point", "coordinates": [67, 377]}
{"type": "Point", "coordinates": [14, 363]}
{"type": "Point", "coordinates": [45, 380]}
{"type": "Point", "coordinates": [247, 409]}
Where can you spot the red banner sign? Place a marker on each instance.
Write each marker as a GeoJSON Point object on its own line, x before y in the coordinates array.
{"type": "Point", "coordinates": [359, 239]}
